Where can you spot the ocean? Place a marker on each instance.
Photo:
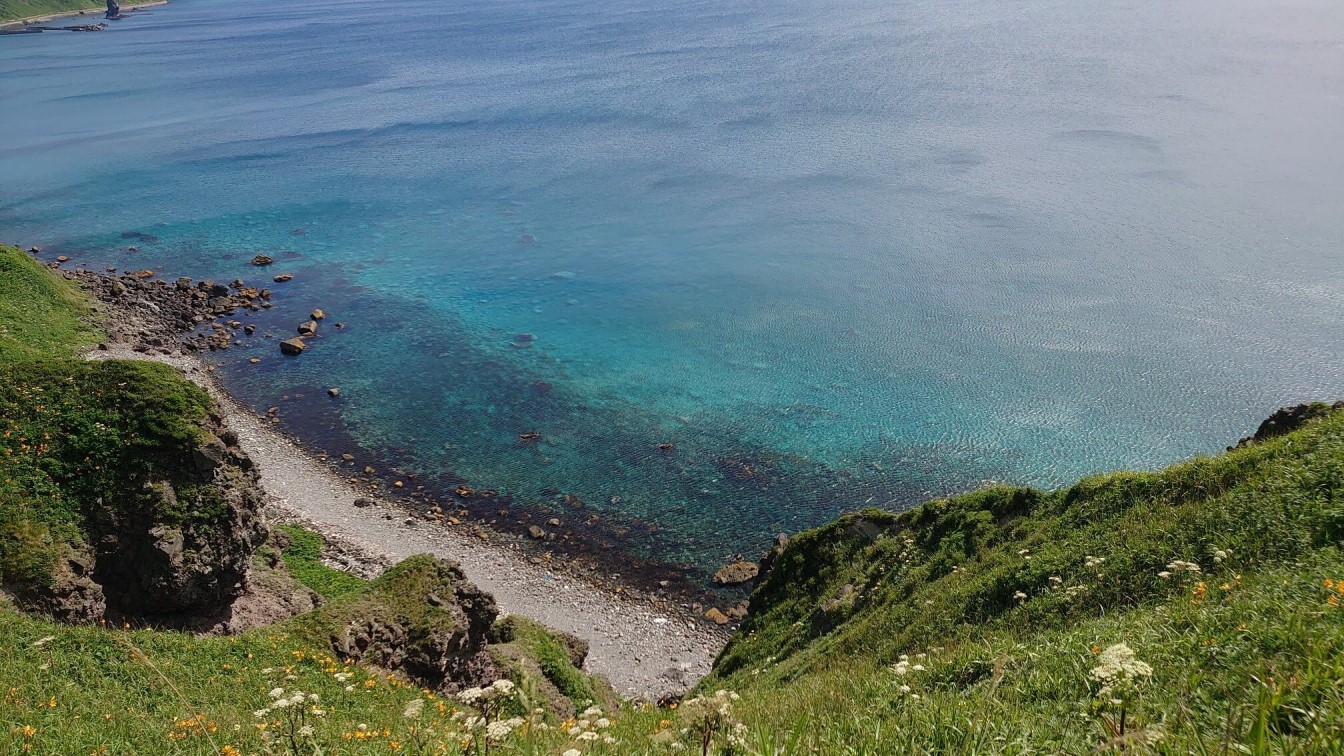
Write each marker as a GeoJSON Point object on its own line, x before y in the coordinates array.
{"type": "Point", "coordinates": [740, 266]}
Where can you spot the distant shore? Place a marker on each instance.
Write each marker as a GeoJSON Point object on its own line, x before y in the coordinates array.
{"type": "Point", "coordinates": [30, 20]}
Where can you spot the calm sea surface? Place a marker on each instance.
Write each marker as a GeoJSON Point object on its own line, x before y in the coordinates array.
{"type": "Point", "coordinates": [834, 253]}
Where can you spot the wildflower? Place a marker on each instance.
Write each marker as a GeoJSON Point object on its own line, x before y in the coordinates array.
{"type": "Point", "coordinates": [413, 708]}
{"type": "Point", "coordinates": [1181, 565]}
{"type": "Point", "coordinates": [1020, 596]}
{"type": "Point", "coordinates": [1164, 574]}
{"type": "Point", "coordinates": [498, 730]}
{"type": "Point", "coordinates": [40, 642]}
{"type": "Point", "coordinates": [572, 752]}
{"type": "Point", "coordinates": [591, 712]}
{"type": "Point", "coordinates": [502, 687]}
{"type": "Point", "coordinates": [1093, 562]}
{"type": "Point", "coordinates": [28, 731]}
{"type": "Point", "coordinates": [609, 740]}
{"type": "Point", "coordinates": [1200, 590]}
{"type": "Point", "coordinates": [602, 723]}
{"type": "Point", "coordinates": [1119, 671]}
{"type": "Point", "coordinates": [261, 713]}
{"type": "Point", "coordinates": [905, 689]}
{"type": "Point", "coordinates": [342, 676]}
{"type": "Point", "coordinates": [277, 692]}
{"type": "Point", "coordinates": [306, 731]}
{"type": "Point", "coordinates": [349, 689]}
{"type": "Point", "coordinates": [229, 750]}
{"type": "Point", "coordinates": [590, 735]}
{"type": "Point", "coordinates": [470, 695]}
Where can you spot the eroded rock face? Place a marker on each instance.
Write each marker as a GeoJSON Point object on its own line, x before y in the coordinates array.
{"type": "Point", "coordinates": [172, 572]}
{"type": "Point", "coordinates": [421, 617]}
{"type": "Point", "coordinates": [74, 597]}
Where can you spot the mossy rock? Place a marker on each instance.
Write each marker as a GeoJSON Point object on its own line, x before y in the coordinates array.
{"type": "Point", "coordinates": [421, 618]}
{"type": "Point", "coordinates": [548, 665]}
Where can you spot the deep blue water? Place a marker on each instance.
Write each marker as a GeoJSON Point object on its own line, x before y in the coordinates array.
{"type": "Point", "coordinates": [835, 253]}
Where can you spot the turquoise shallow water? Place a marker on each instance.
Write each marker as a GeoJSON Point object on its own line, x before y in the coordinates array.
{"type": "Point", "coordinates": [835, 254]}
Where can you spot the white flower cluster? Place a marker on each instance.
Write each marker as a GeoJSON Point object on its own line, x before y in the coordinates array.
{"type": "Point", "coordinates": [496, 690]}
{"type": "Point", "coordinates": [1179, 565]}
{"type": "Point", "coordinates": [1119, 670]}
{"type": "Point", "coordinates": [1093, 563]}
{"type": "Point", "coordinates": [502, 728]}
{"type": "Point", "coordinates": [1220, 554]}
{"type": "Point", "coordinates": [711, 714]}
{"type": "Point", "coordinates": [280, 700]}
{"type": "Point", "coordinates": [587, 728]}
{"type": "Point", "coordinates": [903, 668]}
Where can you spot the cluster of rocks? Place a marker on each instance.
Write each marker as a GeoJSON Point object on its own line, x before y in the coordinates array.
{"type": "Point", "coordinates": [307, 330]}
{"type": "Point", "coordinates": [156, 316]}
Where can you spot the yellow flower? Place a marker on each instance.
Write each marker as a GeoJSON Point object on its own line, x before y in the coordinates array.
{"type": "Point", "coordinates": [229, 750]}
{"type": "Point", "coordinates": [28, 731]}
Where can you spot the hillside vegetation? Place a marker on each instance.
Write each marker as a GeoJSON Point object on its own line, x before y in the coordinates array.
{"type": "Point", "coordinates": [1192, 610]}
{"type": "Point", "coordinates": [976, 623]}
{"type": "Point", "coordinates": [18, 10]}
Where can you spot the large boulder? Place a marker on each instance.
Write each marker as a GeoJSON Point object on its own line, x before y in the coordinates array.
{"type": "Point", "coordinates": [421, 618]}
{"type": "Point", "coordinates": [737, 573]}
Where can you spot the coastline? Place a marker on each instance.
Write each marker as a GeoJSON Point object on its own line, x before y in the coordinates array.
{"type": "Point", "coordinates": [29, 20]}
{"type": "Point", "coordinates": [649, 646]}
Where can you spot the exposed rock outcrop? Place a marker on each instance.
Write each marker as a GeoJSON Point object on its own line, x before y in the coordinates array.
{"type": "Point", "coordinates": [421, 618]}
{"type": "Point", "coordinates": [1286, 420]}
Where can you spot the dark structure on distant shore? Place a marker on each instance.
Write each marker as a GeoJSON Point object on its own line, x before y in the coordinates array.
{"type": "Point", "coordinates": [113, 9]}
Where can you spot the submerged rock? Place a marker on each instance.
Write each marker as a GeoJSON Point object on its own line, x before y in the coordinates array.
{"type": "Point", "coordinates": [737, 573]}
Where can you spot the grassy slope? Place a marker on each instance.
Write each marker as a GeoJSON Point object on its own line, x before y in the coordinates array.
{"type": "Point", "coordinates": [41, 315]}
{"type": "Point", "coordinates": [303, 559]}
{"type": "Point", "coordinates": [1249, 651]}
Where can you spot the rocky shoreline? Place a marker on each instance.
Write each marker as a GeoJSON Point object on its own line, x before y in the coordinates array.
{"type": "Point", "coordinates": [650, 642]}
{"type": "Point", "coordinates": [21, 23]}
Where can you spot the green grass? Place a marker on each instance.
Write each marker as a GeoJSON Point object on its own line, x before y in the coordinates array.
{"type": "Point", "coordinates": [303, 559]}
{"type": "Point", "coordinates": [1246, 654]}
{"type": "Point", "coordinates": [41, 314]}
